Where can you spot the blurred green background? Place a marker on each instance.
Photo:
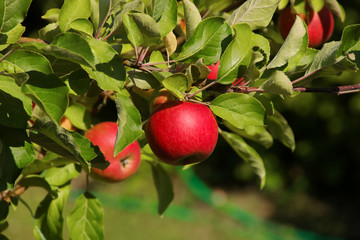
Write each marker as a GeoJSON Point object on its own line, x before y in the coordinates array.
{"type": "Point", "coordinates": [315, 189]}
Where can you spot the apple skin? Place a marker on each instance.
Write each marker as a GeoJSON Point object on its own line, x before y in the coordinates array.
{"type": "Point", "coordinates": [320, 24]}
{"type": "Point", "coordinates": [181, 133]}
{"type": "Point", "coordinates": [122, 165]}
{"type": "Point", "coordinates": [214, 71]}
{"type": "Point", "coordinates": [160, 97]}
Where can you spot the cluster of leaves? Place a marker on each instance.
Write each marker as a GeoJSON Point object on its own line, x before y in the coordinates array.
{"type": "Point", "coordinates": [123, 51]}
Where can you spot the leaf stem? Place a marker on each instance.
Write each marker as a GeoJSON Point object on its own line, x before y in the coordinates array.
{"type": "Point", "coordinates": [97, 35]}
{"type": "Point", "coordinates": [7, 54]}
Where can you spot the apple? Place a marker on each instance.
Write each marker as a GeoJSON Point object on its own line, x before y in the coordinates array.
{"type": "Point", "coordinates": [214, 71]}
{"type": "Point", "coordinates": [180, 133]}
{"type": "Point", "coordinates": [65, 123]}
{"type": "Point", "coordinates": [122, 165]}
{"type": "Point", "coordinates": [320, 24]}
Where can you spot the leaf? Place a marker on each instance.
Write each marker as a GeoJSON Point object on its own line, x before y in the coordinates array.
{"type": "Point", "coordinates": [79, 81]}
{"type": "Point", "coordinates": [73, 10]}
{"type": "Point", "coordinates": [109, 70]}
{"type": "Point", "coordinates": [148, 27]}
{"type": "Point", "coordinates": [192, 17]}
{"type": "Point", "coordinates": [177, 84]}
{"type": "Point", "coordinates": [30, 61]}
{"type": "Point", "coordinates": [129, 122]}
{"type": "Point", "coordinates": [163, 185]}
{"type": "Point", "coordinates": [48, 92]}
{"type": "Point", "coordinates": [335, 7]}
{"type": "Point", "coordinates": [51, 160]}
{"type": "Point", "coordinates": [350, 42]}
{"type": "Point", "coordinates": [136, 6]}
{"type": "Point", "coordinates": [67, 144]}
{"type": "Point", "coordinates": [247, 153]}
{"type": "Point", "coordinates": [236, 54]}
{"type": "Point", "coordinates": [49, 215]}
{"type": "Point", "coordinates": [59, 176]}
{"type": "Point", "coordinates": [79, 116]}
{"type": "Point", "coordinates": [280, 129]}
{"type": "Point", "coordinates": [15, 107]}
{"type": "Point", "coordinates": [292, 44]}
{"type": "Point", "coordinates": [16, 153]}
{"type": "Point", "coordinates": [35, 181]}
{"type": "Point", "coordinates": [86, 219]}
{"type": "Point", "coordinates": [49, 32]}
{"type": "Point", "coordinates": [206, 41]}
{"type": "Point", "coordinates": [133, 32]}
{"type": "Point", "coordinates": [256, 13]}
{"type": "Point", "coordinates": [12, 13]}
{"type": "Point", "coordinates": [52, 15]}
{"type": "Point", "coordinates": [277, 83]}
{"type": "Point", "coordinates": [71, 47]}
{"type": "Point", "coordinates": [166, 12]}
{"type": "Point", "coordinates": [240, 110]}
{"type": "Point", "coordinates": [82, 25]}
{"type": "Point", "coordinates": [170, 43]}
{"type": "Point", "coordinates": [157, 57]}
{"type": "Point", "coordinates": [325, 62]}
{"type": "Point", "coordinates": [11, 36]}
{"type": "Point", "coordinates": [143, 80]}
{"type": "Point", "coordinates": [253, 133]}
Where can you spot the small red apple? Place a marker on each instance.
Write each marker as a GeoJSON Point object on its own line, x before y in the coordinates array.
{"type": "Point", "coordinates": [181, 133]}
{"type": "Point", "coordinates": [320, 24]}
{"type": "Point", "coordinates": [122, 165]}
{"type": "Point", "coordinates": [214, 71]}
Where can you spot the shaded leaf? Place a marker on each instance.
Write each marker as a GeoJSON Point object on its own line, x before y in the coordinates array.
{"type": "Point", "coordinates": [59, 176]}
{"type": "Point", "coordinates": [166, 12]}
{"type": "Point", "coordinates": [277, 83]}
{"type": "Point", "coordinates": [280, 129]}
{"type": "Point", "coordinates": [12, 13]}
{"type": "Point", "coordinates": [177, 84]}
{"type": "Point", "coordinates": [192, 17]}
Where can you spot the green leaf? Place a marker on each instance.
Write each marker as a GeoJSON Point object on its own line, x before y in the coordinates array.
{"type": "Point", "coordinates": [148, 27]}
{"type": "Point", "coordinates": [48, 92]}
{"type": "Point", "coordinates": [129, 122]}
{"type": "Point", "coordinates": [73, 10]}
{"type": "Point", "coordinates": [67, 144]}
{"type": "Point", "coordinates": [277, 83]}
{"type": "Point", "coordinates": [79, 81]}
{"type": "Point", "coordinates": [240, 110]}
{"type": "Point", "coordinates": [157, 57]}
{"type": "Point", "coordinates": [280, 129]}
{"type": "Point", "coordinates": [49, 215]}
{"type": "Point", "coordinates": [256, 13]}
{"type": "Point", "coordinates": [143, 80]}
{"type": "Point", "coordinates": [109, 70]}
{"type": "Point", "coordinates": [325, 62]}
{"type": "Point", "coordinates": [292, 44]}
{"type": "Point", "coordinates": [133, 32]}
{"type": "Point", "coordinates": [236, 54]}
{"type": "Point", "coordinates": [79, 116]}
{"type": "Point", "coordinates": [49, 32]}
{"type": "Point", "coordinates": [192, 17]}
{"type": "Point", "coordinates": [253, 133]}
{"type": "Point", "coordinates": [86, 219]}
{"type": "Point", "coordinates": [71, 47]}
{"type": "Point", "coordinates": [165, 12]}
{"type": "Point", "coordinates": [59, 176]}
{"type": "Point", "coordinates": [52, 15]}
{"type": "Point", "coordinates": [82, 25]}
{"type": "Point", "coordinates": [30, 61]}
{"type": "Point", "coordinates": [335, 7]}
{"type": "Point", "coordinates": [350, 42]}
{"type": "Point", "coordinates": [177, 84]}
{"type": "Point", "coordinates": [11, 36]}
{"type": "Point", "coordinates": [247, 153]}
{"type": "Point", "coordinates": [16, 153]}
{"type": "Point", "coordinates": [163, 185]}
{"type": "Point", "coordinates": [51, 160]}
{"type": "Point", "coordinates": [206, 41]}
{"type": "Point", "coordinates": [15, 107]}
{"type": "Point", "coordinates": [12, 13]}
{"type": "Point", "coordinates": [35, 181]}
{"type": "Point", "coordinates": [136, 6]}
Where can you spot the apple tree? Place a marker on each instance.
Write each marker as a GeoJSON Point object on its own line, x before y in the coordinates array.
{"type": "Point", "coordinates": [145, 57]}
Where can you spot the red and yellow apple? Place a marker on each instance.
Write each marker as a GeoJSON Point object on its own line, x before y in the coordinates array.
{"type": "Point", "coordinates": [160, 97]}
{"type": "Point", "coordinates": [214, 71]}
{"type": "Point", "coordinates": [320, 24]}
{"type": "Point", "coordinates": [122, 165]}
{"type": "Point", "coordinates": [180, 133]}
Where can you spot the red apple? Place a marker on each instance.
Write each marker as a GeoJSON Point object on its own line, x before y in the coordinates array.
{"type": "Point", "coordinates": [122, 165]}
{"type": "Point", "coordinates": [320, 24]}
{"type": "Point", "coordinates": [181, 133]}
{"type": "Point", "coordinates": [214, 71]}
